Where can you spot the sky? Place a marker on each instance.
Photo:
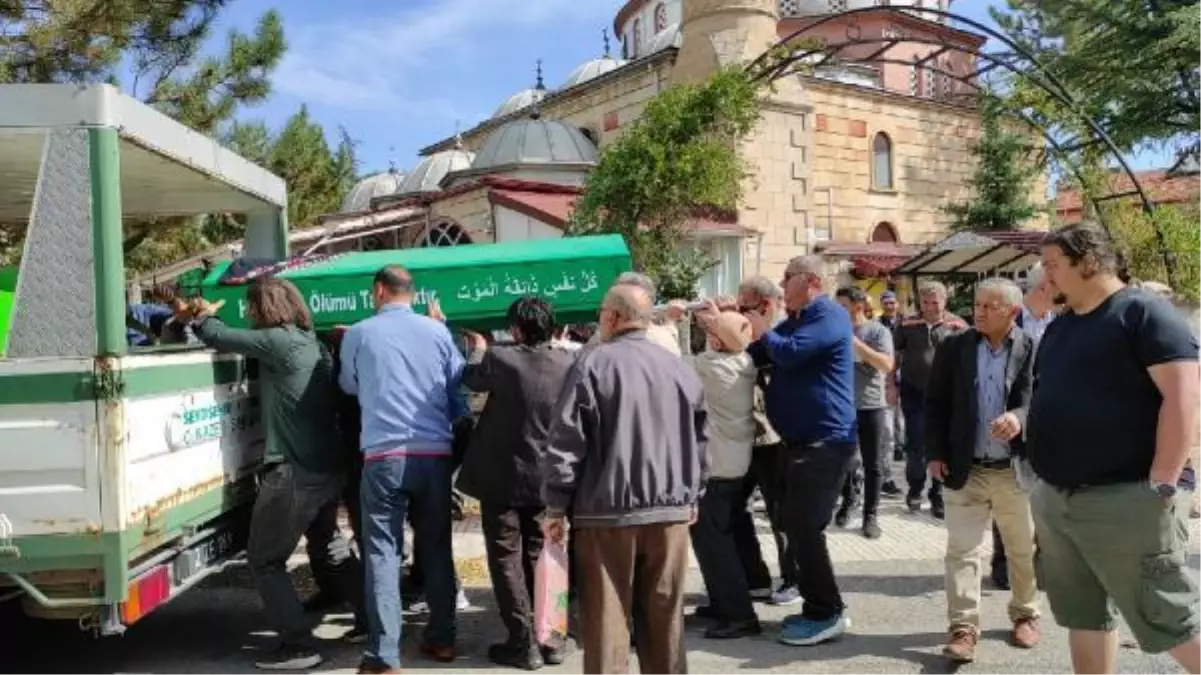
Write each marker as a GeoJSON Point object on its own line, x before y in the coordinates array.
{"type": "Point", "coordinates": [400, 76]}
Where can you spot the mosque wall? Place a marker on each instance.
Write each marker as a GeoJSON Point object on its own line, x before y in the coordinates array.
{"type": "Point", "coordinates": [471, 210]}
{"type": "Point", "coordinates": [605, 110]}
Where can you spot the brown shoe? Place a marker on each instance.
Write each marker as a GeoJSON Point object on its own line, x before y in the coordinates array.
{"type": "Point", "coordinates": [962, 646]}
{"type": "Point", "coordinates": [439, 653]}
{"type": "Point", "coordinates": [1025, 633]}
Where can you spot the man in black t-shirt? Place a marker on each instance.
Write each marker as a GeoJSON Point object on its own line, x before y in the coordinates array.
{"type": "Point", "coordinates": [1110, 427]}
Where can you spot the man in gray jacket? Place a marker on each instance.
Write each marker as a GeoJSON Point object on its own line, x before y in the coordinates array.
{"type": "Point", "coordinates": [627, 454]}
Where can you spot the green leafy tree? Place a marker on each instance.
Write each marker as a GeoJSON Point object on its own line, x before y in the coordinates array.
{"type": "Point", "coordinates": [1134, 232]}
{"type": "Point", "coordinates": [680, 158]}
{"type": "Point", "coordinates": [1004, 175]}
{"type": "Point", "coordinates": [1130, 64]}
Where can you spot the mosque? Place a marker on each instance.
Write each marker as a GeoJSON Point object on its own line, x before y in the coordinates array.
{"type": "Point", "coordinates": [854, 162]}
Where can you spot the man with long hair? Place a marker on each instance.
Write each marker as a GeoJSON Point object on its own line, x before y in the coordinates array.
{"type": "Point", "coordinates": [1111, 424]}
{"type": "Point", "coordinates": [304, 472]}
{"type": "Point", "coordinates": [406, 369]}
{"type": "Point", "coordinates": [501, 466]}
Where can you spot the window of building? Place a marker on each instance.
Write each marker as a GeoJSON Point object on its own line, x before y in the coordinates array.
{"type": "Point", "coordinates": [637, 38]}
{"type": "Point", "coordinates": [445, 234]}
{"type": "Point", "coordinates": [660, 18]}
{"type": "Point", "coordinates": [913, 79]}
{"type": "Point", "coordinates": [882, 162]}
{"type": "Point", "coordinates": [837, 6]}
{"type": "Point", "coordinates": [884, 232]}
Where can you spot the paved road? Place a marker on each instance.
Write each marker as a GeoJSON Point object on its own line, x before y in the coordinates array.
{"type": "Point", "coordinates": [893, 586]}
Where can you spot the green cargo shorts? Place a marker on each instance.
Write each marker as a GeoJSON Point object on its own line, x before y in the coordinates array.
{"type": "Point", "coordinates": [1117, 547]}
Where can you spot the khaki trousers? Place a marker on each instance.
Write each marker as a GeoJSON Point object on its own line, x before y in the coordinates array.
{"type": "Point", "coordinates": [990, 494]}
{"type": "Point", "coordinates": [609, 560]}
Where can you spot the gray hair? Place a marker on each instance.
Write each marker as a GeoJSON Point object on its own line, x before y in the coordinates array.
{"type": "Point", "coordinates": [1034, 277]}
{"type": "Point", "coordinates": [927, 288]}
{"type": "Point", "coordinates": [626, 306]}
{"type": "Point", "coordinates": [1009, 292]}
{"type": "Point", "coordinates": [640, 280]}
{"type": "Point", "coordinates": [762, 287]}
{"type": "Point", "coordinates": [813, 265]}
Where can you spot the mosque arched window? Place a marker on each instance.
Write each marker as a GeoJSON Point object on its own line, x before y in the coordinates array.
{"type": "Point", "coordinates": [660, 18]}
{"type": "Point", "coordinates": [637, 38]}
{"type": "Point", "coordinates": [884, 232]}
{"type": "Point", "coordinates": [882, 162]}
{"type": "Point", "coordinates": [445, 234]}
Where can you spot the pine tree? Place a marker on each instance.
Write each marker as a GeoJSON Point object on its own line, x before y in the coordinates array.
{"type": "Point", "coordinates": [1004, 174]}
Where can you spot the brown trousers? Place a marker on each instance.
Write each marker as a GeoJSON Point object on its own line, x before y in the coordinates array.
{"type": "Point", "coordinates": [610, 561]}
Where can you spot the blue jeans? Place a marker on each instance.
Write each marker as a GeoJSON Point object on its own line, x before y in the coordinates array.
{"type": "Point", "coordinates": [390, 485]}
{"type": "Point", "coordinates": [913, 406]}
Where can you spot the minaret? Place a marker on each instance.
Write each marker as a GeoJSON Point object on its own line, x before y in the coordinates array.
{"type": "Point", "coordinates": [719, 32]}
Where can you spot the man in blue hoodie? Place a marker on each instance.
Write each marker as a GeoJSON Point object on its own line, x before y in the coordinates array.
{"type": "Point", "coordinates": [811, 404]}
{"type": "Point", "coordinates": [406, 370]}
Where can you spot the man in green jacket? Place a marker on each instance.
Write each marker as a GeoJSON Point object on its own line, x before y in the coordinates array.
{"type": "Point", "coordinates": [303, 470]}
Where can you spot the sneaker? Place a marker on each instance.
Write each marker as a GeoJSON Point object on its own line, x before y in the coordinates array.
{"type": "Point", "coordinates": [786, 595]}
{"type": "Point", "coordinates": [961, 648]}
{"type": "Point", "coordinates": [462, 604]}
{"type": "Point", "coordinates": [555, 656]}
{"type": "Point", "coordinates": [439, 653]}
{"type": "Point", "coordinates": [761, 593]}
{"type": "Point", "coordinates": [938, 510]}
{"type": "Point", "coordinates": [289, 657]}
{"type": "Point", "coordinates": [871, 528]}
{"type": "Point", "coordinates": [373, 667]}
{"type": "Point", "coordinates": [890, 489]}
{"type": "Point", "coordinates": [914, 503]}
{"type": "Point", "coordinates": [806, 632]}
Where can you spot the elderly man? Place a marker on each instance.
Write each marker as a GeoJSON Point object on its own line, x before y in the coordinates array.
{"type": "Point", "coordinates": [915, 341]}
{"type": "Point", "coordinates": [406, 370]}
{"type": "Point", "coordinates": [811, 404]}
{"type": "Point", "coordinates": [1111, 424]}
{"type": "Point", "coordinates": [1038, 305]}
{"type": "Point", "coordinates": [976, 402]}
{"type": "Point", "coordinates": [666, 335]}
{"type": "Point", "coordinates": [627, 454]}
{"type": "Point", "coordinates": [760, 294]}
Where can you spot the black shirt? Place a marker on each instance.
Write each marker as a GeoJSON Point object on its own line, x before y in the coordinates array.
{"type": "Point", "coordinates": [1095, 409]}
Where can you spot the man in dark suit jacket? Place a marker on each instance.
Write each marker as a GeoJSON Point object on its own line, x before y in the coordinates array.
{"type": "Point", "coordinates": [501, 465]}
{"type": "Point", "coordinates": [976, 400]}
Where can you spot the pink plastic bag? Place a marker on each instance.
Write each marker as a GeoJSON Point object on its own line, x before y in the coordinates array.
{"type": "Point", "coordinates": [550, 593]}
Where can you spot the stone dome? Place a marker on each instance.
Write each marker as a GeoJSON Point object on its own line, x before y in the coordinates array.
{"type": "Point", "coordinates": [668, 37]}
{"type": "Point", "coordinates": [521, 100]}
{"type": "Point", "coordinates": [428, 174]}
{"type": "Point", "coordinates": [534, 141]}
{"type": "Point", "coordinates": [592, 70]}
{"type": "Point", "coordinates": [381, 184]}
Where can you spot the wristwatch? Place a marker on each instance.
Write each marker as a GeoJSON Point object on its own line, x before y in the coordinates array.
{"type": "Point", "coordinates": [1164, 490]}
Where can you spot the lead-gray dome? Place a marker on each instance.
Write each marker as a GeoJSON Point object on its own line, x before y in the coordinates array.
{"type": "Point", "coordinates": [592, 70]}
{"type": "Point", "coordinates": [381, 184]}
{"type": "Point", "coordinates": [522, 99]}
{"type": "Point", "coordinates": [534, 140]}
{"type": "Point", "coordinates": [428, 174]}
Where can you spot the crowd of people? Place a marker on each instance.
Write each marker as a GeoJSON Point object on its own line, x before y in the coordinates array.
{"type": "Point", "coordinates": [1061, 418]}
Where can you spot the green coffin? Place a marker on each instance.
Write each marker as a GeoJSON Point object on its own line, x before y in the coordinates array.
{"type": "Point", "coordinates": [474, 283]}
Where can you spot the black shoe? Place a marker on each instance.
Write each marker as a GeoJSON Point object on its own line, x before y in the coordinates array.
{"type": "Point", "coordinates": [525, 658]}
{"type": "Point", "coordinates": [844, 515]}
{"type": "Point", "coordinates": [731, 630]}
{"type": "Point", "coordinates": [938, 510]}
{"type": "Point", "coordinates": [914, 503]}
{"type": "Point", "coordinates": [890, 489]}
{"type": "Point", "coordinates": [321, 602]}
{"type": "Point", "coordinates": [357, 635]}
{"type": "Point", "coordinates": [554, 656]}
{"type": "Point", "coordinates": [289, 657]}
{"type": "Point", "coordinates": [871, 529]}
{"type": "Point", "coordinates": [706, 612]}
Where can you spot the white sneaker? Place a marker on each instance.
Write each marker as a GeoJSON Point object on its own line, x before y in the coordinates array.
{"type": "Point", "coordinates": [785, 596]}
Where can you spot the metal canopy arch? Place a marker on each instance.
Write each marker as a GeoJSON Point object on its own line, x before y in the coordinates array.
{"type": "Point", "coordinates": [796, 54]}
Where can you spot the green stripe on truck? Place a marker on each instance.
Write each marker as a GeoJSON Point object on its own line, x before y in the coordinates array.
{"type": "Point", "coordinates": [42, 388]}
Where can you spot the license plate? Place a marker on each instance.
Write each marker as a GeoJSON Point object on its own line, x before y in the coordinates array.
{"type": "Point", "coordinates": [204, 554]}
